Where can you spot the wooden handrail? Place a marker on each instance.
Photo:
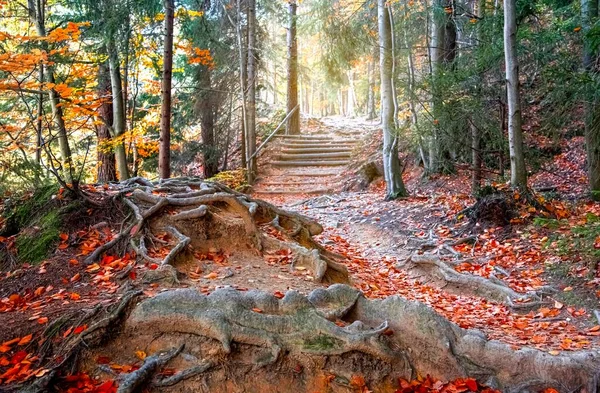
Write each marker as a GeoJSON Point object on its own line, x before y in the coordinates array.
{"type": "Point", "coordinates": [274, 132]}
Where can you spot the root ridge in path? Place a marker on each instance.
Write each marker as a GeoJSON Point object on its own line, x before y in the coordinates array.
{"type": "Point", "coordinates": [323, 331]}
{"type": "Point", "coordinates": [200, 214]}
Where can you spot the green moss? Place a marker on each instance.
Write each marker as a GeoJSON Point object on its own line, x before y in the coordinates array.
{"type": "Point", "coordinates": [321, 343]}
{"type": "Point", "coordinates": [21, 211]}
{"type": "Point", "coordinates": [35, 244]}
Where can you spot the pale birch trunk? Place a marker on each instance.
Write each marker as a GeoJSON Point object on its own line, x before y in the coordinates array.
{"type": "Point", "coordinates": [391, 163]}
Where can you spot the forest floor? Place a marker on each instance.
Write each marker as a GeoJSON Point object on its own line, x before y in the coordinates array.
{"type": "Point", "coordinates": [379, 239]}
{"type": "Point", "coordinates": [531, 253]}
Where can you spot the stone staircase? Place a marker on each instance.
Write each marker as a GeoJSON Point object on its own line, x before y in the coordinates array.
{"type": "Point", "coordinates": [304, 164]}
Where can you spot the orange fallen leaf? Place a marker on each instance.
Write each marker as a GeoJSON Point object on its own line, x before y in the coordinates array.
{"type": "Point", "coordinates": [140, 355]}
{"type": "Point", "coordinates": [25, 340]}
{"type": "Point", "coordinates": [211, 276]}
{"type": "Point", "coordinates": [258, 310]}
{"type": "Point", "coordinates": [76, 277]}
{"type": "Point", "coordinates": [42, 320]}
{"type": "Point", "coordinates": [79, 329]}
{"type": "Point", "coordinates": [64, 237]}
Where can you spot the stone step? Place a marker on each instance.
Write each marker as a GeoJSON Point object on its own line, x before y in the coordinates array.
{"type": "Point", "coordinates": [306, 137]}
{"type": "Point", "coordinates": [288, 174]}
{"type": "Point", "coordinates": [309, 163]}
{"type": "Point", "coordinates": [309, 150]}
{"type": "Point", "coordinates": [316, 191]}
{"type": "Point", "coordinates": [317, 145]}
{"type": "Point", "coordinates": [318, 156]}
{"type": "Point", "coordinates": [293, 184]}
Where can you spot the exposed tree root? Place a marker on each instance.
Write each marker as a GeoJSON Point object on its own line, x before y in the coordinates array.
{"type": "Point", "coordinates": [136, 379]}
{"type": "Point", "coordinates": [407, 335]}
{"type": "Point", "coordinates": [492, 289]}
{"type": "Point", "coordinates": [192, 203]}
{"type": "Point", "coordinates": [292, 324]}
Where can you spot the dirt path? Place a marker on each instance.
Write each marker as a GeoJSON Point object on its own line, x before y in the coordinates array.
{"type": "Point", "coordinates": [379, 237]}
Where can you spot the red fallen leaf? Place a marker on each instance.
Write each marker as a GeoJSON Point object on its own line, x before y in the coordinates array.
{"type": "Point", "coordinates": [63, 246]}
{"type": "Point", "coordinates": [79, 329]}
{"type": "Point", "coordinates": [17, 357]}
{"type": "Point", "coordinates": [39, 291]}
{"type": "Point", "coordinates": [550, 390]}
{"type": "Point", "coordinates": [4, 348]}
{"type": "Point", "coordinates": [25, 340]}
{"type": "Point", "coordinates": [258, 310]}
{"type": "Point", "coordinates": [106, 387]}
{"type": "Point", "coordinates": [153, 266]}
{"type": "Point", "coordinates": [42, 320]}
{"type": "Point", "coordinates": [471, 384]}
{"type": "Point", "coordinates": [74, 262]}
{"type": "Point", "coordinates": [64, 237]}
{"type": "Point", "coordinates": [132, 275]}
{"type": "Point", "coordinates": [278, 295]}
{"type": "Point", "coordinates": [357, 381]}
{"type": "Point", "coordinates": [76, 277]}
{"type": "Point", "coordinates": [595, 328]}
{"type": "Point", "coordinates": [75, 296]}
{"type": "Point", "coordinates": [4, 361]}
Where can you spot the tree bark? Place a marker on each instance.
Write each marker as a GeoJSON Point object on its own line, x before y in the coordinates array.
{"type": "Point", "coordinates": [207, 122]}
{"type": "Point", "coordinates": [371, 111]}
{"type": "Point", "coordinates": [518, 173]}
{"type": "Point", "coordinates": [118, 111]}
{"type": "Point", "coordinates": [164, 154]}
{"type": "Point", "coordinates": [391, 163]}
{"type": "Point", "coordinates": [293, 123]}
{"type": "Point", "coordinates": [251, 107]}
{"type": "Point", "coordinates": [106, 167]}
{"type": "Point", "coordinates": [589, 16]}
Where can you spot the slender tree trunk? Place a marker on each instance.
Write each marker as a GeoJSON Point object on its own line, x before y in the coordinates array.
{"type": "Point", "coordinates": [106, 167]}
{"type": "Point", "coordinates": [293, 123]}
{"type": "Point", "coordinates": [251, 108]}
{"type": "Point", "coordinates": [164, 154]}
{"type": "Point", "coordinates": [351, 95]}
{"type": "Point", "coordinates": [118, 111]}
{"type": "Point", "coordinates": [518, 172]}
{"type": "Point", "coordinates": [40, 114]}
{"type": "Point", "coordinates": [37, 12]}
{"type": "Point", "coordinates": [207, 122]}
{"type": "Point", "coordinates": [589, 16]}
{"type": "Point", "coordinates": [371, 111]}
{"type": "Point", "coordinates": [391, 163]}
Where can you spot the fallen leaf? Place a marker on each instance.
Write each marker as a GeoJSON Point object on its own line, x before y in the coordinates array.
{"type": "Point", "coordinates": [42, 320]}
{"type": "Point", "coordinates": [25, 340]}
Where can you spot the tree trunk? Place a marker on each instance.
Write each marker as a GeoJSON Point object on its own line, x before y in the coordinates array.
{"type": "Point", "coordinates": [391, 164]}
{"type": "Point", "coordinates": [589, 16]}
{"type": "Point", "coordinates": [118, 111]}
{"type": "Point", "coordinates": [106, 167]}
{"type": "Point", "coordinates": [293, 123]}
{"type": "Point", "coordinates": [371, 111]}
{"type": "Point", "coordinates": [351, 94]}
{"type": "Point", "coordinates": [37, 12]}
{"type": "Point", "coordinates": [164, 154]}
{"type": "Point", "coordinates": [518, 173]}
{"type": "Point", "coordinates": [443, 53]}
{"type": "Point", "coordinates": [206, 107]}
{"type": "Point", "coordinates": [251, 107]}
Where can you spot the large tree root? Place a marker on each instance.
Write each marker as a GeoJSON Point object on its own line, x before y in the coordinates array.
{"type": "Point", "coordinates": [492, 289]}
{"type": "Point", "coordinates": [421, 341]}
{"type": "Point", "coordinates": [193, 205]}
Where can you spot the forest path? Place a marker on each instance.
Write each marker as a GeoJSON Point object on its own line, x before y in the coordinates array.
{"type": "Point", "coordinates": [312, 162]}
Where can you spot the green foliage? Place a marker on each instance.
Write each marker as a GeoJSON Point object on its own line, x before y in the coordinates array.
{"type": "Point", "coordinates": [36, 243]}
